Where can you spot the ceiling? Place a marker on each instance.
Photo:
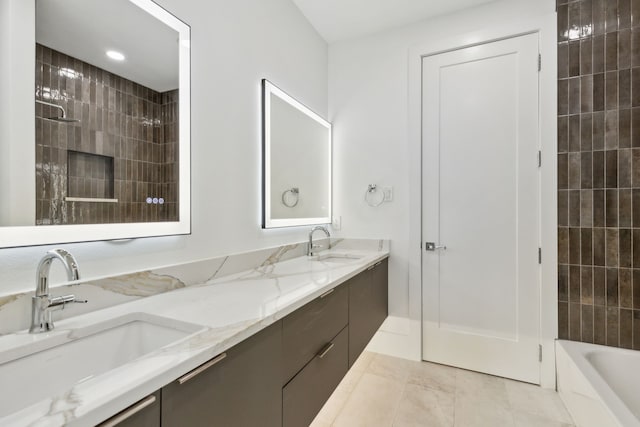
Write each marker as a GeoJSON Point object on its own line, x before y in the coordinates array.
{"type": "Point", "coordinates": [86, 29]}
{"type": "Point", "coordinates": [337, 20]}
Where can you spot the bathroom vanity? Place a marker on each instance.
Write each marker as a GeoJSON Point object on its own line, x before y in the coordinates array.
{"type": "Point", "coordinates": [281, 376]}
{"type": "Point", "coordinates": [265, 346]}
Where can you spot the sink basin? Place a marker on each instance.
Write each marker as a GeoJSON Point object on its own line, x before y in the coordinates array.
{"type": "Point", "coordinates": [337, 258]}
{"type": "Point", "coordinates": [50, 365]}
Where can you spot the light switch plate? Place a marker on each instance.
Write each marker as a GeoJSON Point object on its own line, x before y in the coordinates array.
{"type": "Point", "coordinates": [336, 224]}
{"type": "Point", "coordinates": [388, 193]}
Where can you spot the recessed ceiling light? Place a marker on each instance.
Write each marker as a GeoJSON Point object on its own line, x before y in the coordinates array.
{"type": "Point", "coordinates": [117, 56]}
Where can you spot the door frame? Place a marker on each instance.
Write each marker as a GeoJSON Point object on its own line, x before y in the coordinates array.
{"type": "Point", "coordinates": [545, 27]}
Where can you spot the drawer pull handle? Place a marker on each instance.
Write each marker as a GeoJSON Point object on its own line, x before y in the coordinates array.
{"type": "Point", "coordinates": [371, 267]}
{"type": "Point", "coordinates": [149, 400]}
{"type": "Point", "coordinates": [330, 291]}
{"type": "Point", "coordinates": [378, 263]}
{"type": "Point", "coordinates": [202, 368]}
{"type": "Point", "coordinates": [325, 350]}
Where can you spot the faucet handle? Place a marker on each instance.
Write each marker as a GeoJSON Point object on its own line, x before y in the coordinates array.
{"type": "Point", "coordinates": [58, 303]}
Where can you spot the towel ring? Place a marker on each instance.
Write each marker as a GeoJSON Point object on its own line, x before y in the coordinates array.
{"type": "Point", "coordinates": [370, 196]}
{"type": "Point", "coordinates": [291, 201]}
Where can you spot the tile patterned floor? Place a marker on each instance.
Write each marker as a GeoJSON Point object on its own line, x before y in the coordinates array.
{"type": "Point", "coordinates": [384, 391]}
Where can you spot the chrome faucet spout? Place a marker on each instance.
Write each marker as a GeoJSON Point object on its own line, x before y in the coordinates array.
{"type": "Point", "coordinates": [70, 265]}
{"type": "Point", "coordinates": [41, 304]}
{"type": "Point", "coordinates": [310, 245]}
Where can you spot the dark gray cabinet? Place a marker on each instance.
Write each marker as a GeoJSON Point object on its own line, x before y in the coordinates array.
{"type": "Point", "coordinates": [144, 413]}
{"type": "Point", "coordinates": [304, 395]}
{"type": "Point", "coordinates": [241, 389]}
{"type": "Point", "coordinates": [307, 330]}
{"type": "Point", "coordinates": [368, 306]}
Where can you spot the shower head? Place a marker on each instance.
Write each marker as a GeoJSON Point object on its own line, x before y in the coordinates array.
{"type": "Point", "coordinates": [63, 118]}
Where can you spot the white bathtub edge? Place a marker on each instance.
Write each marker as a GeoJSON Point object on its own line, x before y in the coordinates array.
{"type": "Point", "coordinates": [582, 389]}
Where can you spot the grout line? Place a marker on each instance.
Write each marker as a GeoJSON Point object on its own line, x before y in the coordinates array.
{"type": "Point", "coordinates": [395, 410]}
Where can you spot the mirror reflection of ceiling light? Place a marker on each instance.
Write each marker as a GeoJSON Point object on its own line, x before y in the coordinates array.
{"type": "Point", "coordinates": [115, 55]}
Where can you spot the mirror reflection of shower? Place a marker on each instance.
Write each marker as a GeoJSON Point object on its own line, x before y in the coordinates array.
{"type": "Point", "coordinates": [106, 131]}
{"type": "Point", "coordinates": [62, 118]}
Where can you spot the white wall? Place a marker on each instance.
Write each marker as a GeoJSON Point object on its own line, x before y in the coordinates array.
{"type": "Point", "coordinates": [234, 44]}
{"type": "Point", "coordinates": [369, 109]}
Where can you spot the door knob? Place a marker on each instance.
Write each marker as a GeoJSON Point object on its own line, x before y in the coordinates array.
{"type": "Point", "coordinates": [431, 246]}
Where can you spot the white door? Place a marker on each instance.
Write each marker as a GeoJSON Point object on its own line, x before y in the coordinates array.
{"type": "Point", "coordinates": [480, 199]}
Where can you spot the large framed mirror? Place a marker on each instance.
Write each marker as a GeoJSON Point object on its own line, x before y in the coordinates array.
{"type": "Point", "coordinates": [296, 162]}
{"type": "Point", "coordinates": [109, 155]}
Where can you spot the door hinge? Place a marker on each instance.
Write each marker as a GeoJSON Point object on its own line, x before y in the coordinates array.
{"type": "Point", "coordinates": [539, 159]}
{"type": "Point", "coordinates": [539, 62]}
{"type": "Point", "coordinates": [539, 255]}
{"type": "Point", "coordinates": [539, 352]}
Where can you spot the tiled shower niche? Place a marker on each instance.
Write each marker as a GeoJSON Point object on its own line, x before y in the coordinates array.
{"type": "Point", "coordinates": [122, 150]}
{"type": "Point", "coordinates": [599, 171]}
{"type": "Point", "coordinates": [89, 176]}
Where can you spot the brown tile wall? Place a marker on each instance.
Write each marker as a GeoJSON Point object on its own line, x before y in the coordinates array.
{"type": "Point", "coordinates": [599, 171]}
{"type": "Point", "coordinates": [127, 131]}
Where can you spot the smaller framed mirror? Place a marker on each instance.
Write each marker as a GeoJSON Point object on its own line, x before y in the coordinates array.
{"type": "Point", "coordinates": [296, 160]}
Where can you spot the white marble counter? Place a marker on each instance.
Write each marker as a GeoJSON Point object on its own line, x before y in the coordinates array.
{"type": "Point", "coordinates": [228, 309]}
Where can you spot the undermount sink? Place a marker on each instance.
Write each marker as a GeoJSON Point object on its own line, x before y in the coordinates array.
{"type": "Point", "coordinates": [48, 366]}
{"type": "Point", "coordinates": [337, 258]}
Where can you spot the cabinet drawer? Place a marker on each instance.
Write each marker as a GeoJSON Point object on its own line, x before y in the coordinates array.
{"type": "Point", "coordinates": [308, 329]}
{"type": "Point", "coordinates": [144, 413]}
{"type": "Point", "coordinates": [305, 394]}
{"type": "Point", "coordinates": [238, 388]}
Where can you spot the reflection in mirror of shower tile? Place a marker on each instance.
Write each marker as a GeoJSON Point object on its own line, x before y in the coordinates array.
{"type": "Point", "coordinates": [84, 170]}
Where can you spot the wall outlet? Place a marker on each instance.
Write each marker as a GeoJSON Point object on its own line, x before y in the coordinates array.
{"type": "Point", "coordinates": [336, 223]}
{"type": "Point", "coordinates": [388, 193]}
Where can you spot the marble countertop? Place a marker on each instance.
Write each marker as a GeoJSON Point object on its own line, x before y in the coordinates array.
{"type": "Point", "coordinates": [227, 311]}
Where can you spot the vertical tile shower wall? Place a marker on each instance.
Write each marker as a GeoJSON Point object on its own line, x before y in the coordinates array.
{"type": "Point", "coordinates": [124, 146]}
{"type": "Point", "coordinates": [599, 171]}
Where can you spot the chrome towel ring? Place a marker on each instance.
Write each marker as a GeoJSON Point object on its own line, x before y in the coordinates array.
{"type": "Point", "coordinates": [373, 197]}
{"type": "Point", "coordinates": [291, 197]}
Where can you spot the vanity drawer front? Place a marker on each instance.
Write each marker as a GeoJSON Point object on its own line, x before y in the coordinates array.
{"type": "Point", "coordinates": [144, 413]}
{"type": "Point", "coordinates": [238, 388]}
{"type": "Point", "coordinates": [308, 329]}
{"type": "Point", "coordinates": [305, 394]}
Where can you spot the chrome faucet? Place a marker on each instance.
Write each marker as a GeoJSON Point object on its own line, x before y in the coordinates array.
{"type": "Point", "coordinates": [310, 245]}
{"type": "Point", "coordinates": [41, 304]}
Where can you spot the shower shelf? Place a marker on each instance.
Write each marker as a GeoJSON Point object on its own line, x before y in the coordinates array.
{"type": "Point", "coordinates": [90, 199]}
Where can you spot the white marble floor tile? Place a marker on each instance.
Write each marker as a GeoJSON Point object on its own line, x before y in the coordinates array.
{"type": "Point", "coordinates": [362, 362]}
{"type": "Point", "coordinates": [536, 400]}
{"type": "Point", "coordinates": [384, 391]}
{"type": "Point", "coordinates": [420, 407]}
{"type": "Point", "coordinates": [390, 367]}
{"type": "Point", "coordinates": [332, 408]}
{"type": "Point", "coordinates": [319, 423]}
{"type": "Point", "coordinates": [350, 380]}
{"type": "Point", "coordinates": [477, 412]}
{"type": "Point", "coordinates": [481, 387]}
{"type": "Point", "coordinates": [372, 403]}
{"type": "Point", "coordinates": [432, 375]}
{"type": "Point", "coordinates": [525, 419]}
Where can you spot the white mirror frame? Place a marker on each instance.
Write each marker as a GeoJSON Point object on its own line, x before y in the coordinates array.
{"type": "Point", "coordinates": [269, 89]}
{"type": "Point", "coordinates": [15, 236]}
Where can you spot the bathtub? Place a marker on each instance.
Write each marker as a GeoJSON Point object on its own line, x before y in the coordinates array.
{"type": "Point", "coordinates": [600, 386]}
